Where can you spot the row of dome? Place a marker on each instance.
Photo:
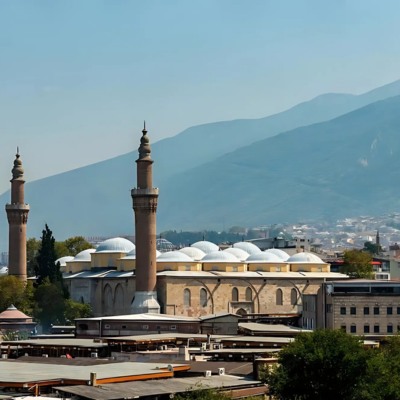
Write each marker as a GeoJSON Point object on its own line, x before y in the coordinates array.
{"type": "Point", "coordinates": [203, 251]}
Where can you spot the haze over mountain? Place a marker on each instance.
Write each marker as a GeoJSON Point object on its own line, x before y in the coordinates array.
{"type": "Point", "coordinates": [213, 176]}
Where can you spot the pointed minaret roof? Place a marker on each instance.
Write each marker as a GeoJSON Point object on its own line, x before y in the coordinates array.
{"type": "Point", "coordinates": [17, 171]}
{"type": "Point", "coordinates": [144, 148]}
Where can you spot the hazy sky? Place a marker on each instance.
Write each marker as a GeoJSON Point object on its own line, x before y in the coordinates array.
{"type": "Point", "coordinates": [79, 77]}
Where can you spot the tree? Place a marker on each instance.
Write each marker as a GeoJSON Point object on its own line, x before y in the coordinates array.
{"type": "Point", "coordinates": [76, 244]}
{"type": "Point", "coordinates": [32, 249]}
{"type": "Point", "coordinates": [372, 248]}
{"type": "Point", "coordinates": [74, 309]}
{"type": "Point", "coordinates": [383, 374]}
{"type": "Point", "coordinates": [50, 304]}
{"type": "Point", "coordinates": [46, 259]}
{"type": "Point", "coordinates": [13, 291]}
{"type": "Point", "coordinates": [357, 264]}
{"type": "Point", "coordinates": [325, 364]}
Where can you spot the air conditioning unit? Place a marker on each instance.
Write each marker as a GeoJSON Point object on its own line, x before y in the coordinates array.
{"type": "Point", "coordinates": [204, 346]}
{"type": "Point", "coordinates": [93, 355]}
{"type": "Point", "coordinates": [221, 371]}
{"type": "Point", "coordinates": [207, 373]}
{"type": "Point", "coordinates": [45, 355]}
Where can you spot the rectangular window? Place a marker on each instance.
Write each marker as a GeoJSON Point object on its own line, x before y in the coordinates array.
{"type": "Point", "coordinates": [342, 310]}
{"type": "Point", "coordinates": [353, 311]}
{"type": "Point", "coordinates": [366, 310]}
{"type": "Point", "coordinates": [389, 310]}
{"type": "Point", "coordinates": [173, 327]}
{"type": "Point", "coordinates": [390, 329]}
{"type": "Point", "coordinates": [343, 328]}
{"type": "Point", "coordinates": [145, 327]}
{"type": "Point", "coordinates": [329, 308]}
{"type": "Point", "coordinates": [376, 328]}
{"type": "Point", "coordinates": [398, 310]}
{"type": "Point", "coordinates": [366, 328]}
{"type": "Point", "coordinates": [353, 329]}
{"type": "Point", "coordinates": [376, 310]}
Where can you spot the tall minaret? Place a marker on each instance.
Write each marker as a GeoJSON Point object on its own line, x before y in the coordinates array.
{"type": "Point", "coordinates": [145, 199]}
{"type": "Point", "coordinates": [17, 215]}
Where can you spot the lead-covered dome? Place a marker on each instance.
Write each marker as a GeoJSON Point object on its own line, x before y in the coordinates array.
{"type": "Point", "coordinates": [205, 246]}
{"type": "Point", "coordinates": [240, 254]}
{"type": "Point", "coordinates": [115, 245]}
{"type": "Point", "coordinates": [306, 258]}
{"type": "Point", "coordinates": [174, 256]}
{"type": "Point", "coordinates": [193, 252]}
{"type": "Point", "coordinates": [63, 260]}
{"type": "Point", "coordinates": [264, 258]}
{"type": "Point", "coordinates": [248, 247]}
{"type": "Point", "coordinates": [84, 255]}
{"type": "Point", "coordinates": [220, 256]}
{"type": "Point", "coordinates": [278, 252]}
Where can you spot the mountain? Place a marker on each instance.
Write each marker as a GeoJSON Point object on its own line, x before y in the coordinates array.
{"type": "Point", "coordinates": [95, 200]}
{"type": "Point", "coordinates": [347, 166]}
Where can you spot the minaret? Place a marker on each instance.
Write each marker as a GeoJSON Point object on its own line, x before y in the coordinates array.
{"type": "Point", "coordinates": [17, 215]}
{"type": "Point", "coordinates": [378, 242]}
{"type": "Point", "coordinates": [145, 199]}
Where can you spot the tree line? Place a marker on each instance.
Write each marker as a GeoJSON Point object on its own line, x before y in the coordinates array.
{"type": "Point", "coordinates": [46, 297]}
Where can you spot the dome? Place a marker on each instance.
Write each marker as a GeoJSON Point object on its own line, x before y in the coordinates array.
{"type": "Point", "coordinates": [63, 260]}
{"type": "Point", "coordinates": [115, 245]}
{"type": "Point", "coordinates": [193, 252]}
{"type": "Point", "coordinates": [240, 254]}
{"type": "Point", "coordinates": [164, 245]}
{"type": "Point", "coordinates": [12, 313]}
{"type": "Point", "coordinates": [205, 246]}
{"type": "Point", "coordinates": [280, 253]}
{"type": "Point", "coordinates": [220, 256]}
{"type": "Point", "coordinates": [174, 256]}
{"type": "Point", "coordinates": [84, 255]}
{"type": "Point", "coordinates": [264, 257]}
{"type": "Point", "coordinates": [248, 247]}
{"type": "Point", "coordinates": [132, 255]}
{"type": "Point", "coordinates": [307, 258]}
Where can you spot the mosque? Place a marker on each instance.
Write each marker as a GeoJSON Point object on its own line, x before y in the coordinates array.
{"type": "Point", "coordinates": [120, 278]}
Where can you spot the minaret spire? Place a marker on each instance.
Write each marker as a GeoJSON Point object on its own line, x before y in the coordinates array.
{"type": "Point", "coordinates": [17, 215]}
{"type": "Point", "coordinates": [145, 199]}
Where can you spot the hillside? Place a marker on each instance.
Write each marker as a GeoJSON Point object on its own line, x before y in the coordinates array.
{"type": "Point", "coordinates": [346, 166]}
{"type": "Point", "coordinates": [95, 200]}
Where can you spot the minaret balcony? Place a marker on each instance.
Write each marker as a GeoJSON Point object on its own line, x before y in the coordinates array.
{"type": "Point", "coordinates": [144, 192]}
{"type": "Point", "coordinates": [17, 206]}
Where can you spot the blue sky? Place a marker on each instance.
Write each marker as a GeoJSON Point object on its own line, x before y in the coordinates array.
{"type": "Point", "coordinates": [79, 77]}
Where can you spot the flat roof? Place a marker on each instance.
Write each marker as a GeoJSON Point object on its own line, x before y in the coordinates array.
{"type": "Point", "coordinates": [56, 342]}
{"type": "Point", "coordinates": [19, 373]}
{"type": "Point", "coordinates": [143, 317]}
{"type": "Point", "coordinates": [276, 328]}
{"type": "Point", "coordinates": [158, 387]}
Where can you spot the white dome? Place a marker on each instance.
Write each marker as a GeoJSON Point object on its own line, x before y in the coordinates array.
{"type": "Point", "coordinates": [132, 255]}
{"type": "Point", "coordinates": [115, 245]}
{"type": "Point", "coordinates": [248, 247]}
{"type": "Point", "coordinates": [280, 253]}
{"type": "Point", "coordinates": [63, 260]}
{"type": "Point", "coordinates": [240, 254]}
{"type": "Point", "coordinates": [84, 255]}
{"type": "Point", "coordinates": [174, 256]}
{"type": "Point", "coordinates": [305, 257]}
{"type": "Point", "coordinates": [264, 257]}
{"type": "Point", "coordinates": [220, 256]}
{"type": "Point", "coordinates": [205, 246]}
{"type": "Point", "coordinates": [193, 252]}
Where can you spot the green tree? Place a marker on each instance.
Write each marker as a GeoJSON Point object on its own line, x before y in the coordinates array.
{"type": "Point", "coordinates": [46, 259]}
{"type": "Point", "coordinates": [202, 393]}
{"type": "Point", "coordinates": [76, 244]}
{"type": "Point", "coordinates": [357, 264]}
{"type": "Point", "coordinates": [50, 304]}
{"type": "Point", "coordinates": [322, 365]}
{"type": "Point", "coordinates": [32, 250]}
{"type": "Point", "coordinates": [13, 291]}
{"type": "Point", "coordinates": [75, 309]}
{"type": "Point", "coordinates": [372, 248]}
{"type": "Point", "coordinates": [383, 375]}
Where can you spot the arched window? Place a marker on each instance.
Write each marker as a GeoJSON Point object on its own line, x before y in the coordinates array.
{"type": "Point", "coordinates": [249, 294]}
{"type": "Point", "coordinates": [108, 300]}
{"type": "Point", "coordinates": [235, 294]}
{"type": "Point", "coordinates": [119, 303]}
{"type": "Point", "coordinates": [187, 298]}
{"type": "Point", "coordinates": [279, 297]}
{"type": "Point", "coordinates": [293, 297]}
{"type": "Point", "coordinates": [203, 297]}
